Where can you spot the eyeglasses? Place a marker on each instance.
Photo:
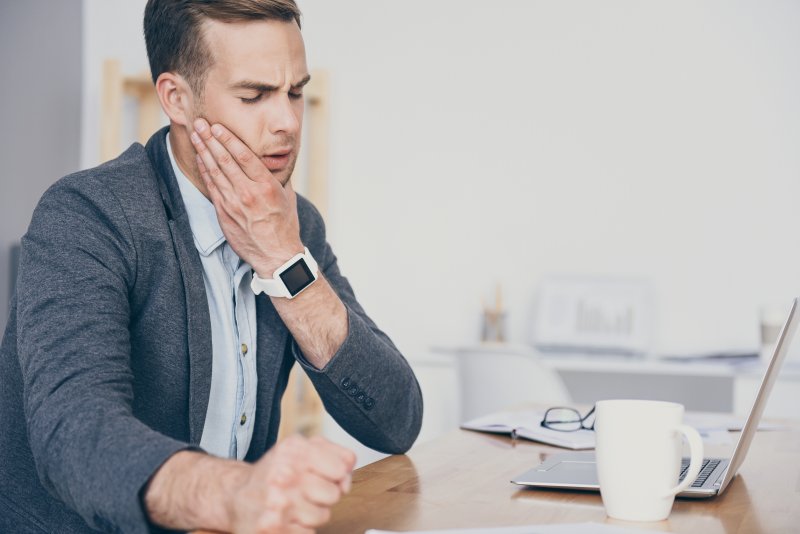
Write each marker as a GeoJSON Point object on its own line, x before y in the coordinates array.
{"type": "Point", "coordinates": [567, 419]}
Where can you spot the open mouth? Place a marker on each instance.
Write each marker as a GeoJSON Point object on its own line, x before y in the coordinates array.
{"type": "Point", "coordinates": [277, 161]}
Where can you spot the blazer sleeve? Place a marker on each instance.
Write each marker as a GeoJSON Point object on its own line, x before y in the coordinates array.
{"type": "Point", "coordinates": [368, 386]}
{"type": "Point", "coordinates": [77, 266]}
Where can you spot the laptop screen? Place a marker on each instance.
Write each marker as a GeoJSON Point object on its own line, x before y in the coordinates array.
{"type": "Point", "coordinates": [781, 349]}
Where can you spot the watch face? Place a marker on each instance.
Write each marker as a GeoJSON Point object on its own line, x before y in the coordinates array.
{"type": "Point", "coordinates": [297, 277]}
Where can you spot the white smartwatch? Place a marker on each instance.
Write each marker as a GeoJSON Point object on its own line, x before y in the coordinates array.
{"type": "Point", "coordinates": [290, 279]}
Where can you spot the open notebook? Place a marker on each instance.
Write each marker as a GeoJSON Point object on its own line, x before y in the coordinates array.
{"type": "Point", "coordinates": [527, 425]}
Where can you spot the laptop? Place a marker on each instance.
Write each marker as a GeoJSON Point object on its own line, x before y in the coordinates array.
{"type": "Point", "coordinates": [577, 470]}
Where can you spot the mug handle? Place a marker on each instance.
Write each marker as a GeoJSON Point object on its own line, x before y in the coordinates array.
{"type": "Point", "coordinates": [695, 458]}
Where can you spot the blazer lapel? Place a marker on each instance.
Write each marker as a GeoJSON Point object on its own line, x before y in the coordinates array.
{"type": "Point", "coordinates": [198, 321]}
{"type": "Point", "coordinates": [273, 363]}
{"type": "Point", "coordinates": [198, 326]}
{"type": "Point", "coordinates": [273, 360]}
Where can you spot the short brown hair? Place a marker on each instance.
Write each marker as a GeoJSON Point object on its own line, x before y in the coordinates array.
{"type": "Point", "coordinates": [174, 37]}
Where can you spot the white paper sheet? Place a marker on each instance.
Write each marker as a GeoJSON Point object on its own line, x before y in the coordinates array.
{"type": "Point", "coordinates": [571, 528]}
{"type": "Point", "coordinates": [708, 421]}
{"type": "Point", "coordinates": [527, 425]}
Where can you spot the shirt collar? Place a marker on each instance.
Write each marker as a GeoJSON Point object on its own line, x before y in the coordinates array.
{"type": "Point", "coordinates": [202, 215]}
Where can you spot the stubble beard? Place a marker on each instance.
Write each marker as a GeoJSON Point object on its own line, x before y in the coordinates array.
{"type": "Point", "coordinates": [290, 169]}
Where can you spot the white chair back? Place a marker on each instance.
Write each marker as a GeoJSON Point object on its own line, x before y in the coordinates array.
{"type": "Point", "coordinates": [496, 377]}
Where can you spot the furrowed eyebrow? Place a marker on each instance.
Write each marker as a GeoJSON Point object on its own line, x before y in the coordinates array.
{"type": "Point", "coordinates": [265, 87]}
{"type": "Point", "coordinates": [302, 82]}
{"type": "Point", "coordinates": [255, 86]}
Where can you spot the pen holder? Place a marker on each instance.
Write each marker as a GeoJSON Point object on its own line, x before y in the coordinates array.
{"type": "Point", "coordinates": [493, 330]}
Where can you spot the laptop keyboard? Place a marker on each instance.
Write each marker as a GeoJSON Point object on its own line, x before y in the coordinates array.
{"type": "Point", "coordinates": [705, 471]}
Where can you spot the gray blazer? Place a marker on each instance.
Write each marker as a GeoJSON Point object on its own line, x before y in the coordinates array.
{"type": "Point", "coordinates": [105, 366]}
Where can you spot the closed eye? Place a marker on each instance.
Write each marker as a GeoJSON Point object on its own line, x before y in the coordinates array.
{"type": "Point", "coordinates": [251, 100]}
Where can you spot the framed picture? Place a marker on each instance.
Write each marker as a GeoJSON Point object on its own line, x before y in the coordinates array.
{"type": "Point", "coordinates": [593, 314]}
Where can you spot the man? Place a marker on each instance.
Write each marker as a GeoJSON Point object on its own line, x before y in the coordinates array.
{"type": "Point", "coordinates": [142, 360]}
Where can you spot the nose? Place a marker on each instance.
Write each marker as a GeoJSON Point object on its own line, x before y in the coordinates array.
{"type": "Point", "coordinates": [285, 115]}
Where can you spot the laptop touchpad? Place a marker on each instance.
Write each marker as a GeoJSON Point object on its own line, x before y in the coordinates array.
{"type": "Point", "coordinates": [567, 472]}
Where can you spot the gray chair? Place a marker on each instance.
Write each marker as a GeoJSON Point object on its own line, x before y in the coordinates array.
{"type": "Point", "coordinates": [498, 377]}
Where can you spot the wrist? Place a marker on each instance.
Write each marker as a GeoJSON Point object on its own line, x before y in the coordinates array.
{"type": "Point", "coordinates": [266, 267]}
{"type": "Point", "coordinates": [289, 279]}
{"type": "Point", "coordinates": [193, 490]}
{"type": "Point", "coordinates": [214, 493]}
{"type": "Point", "coordinates": [234, 477]}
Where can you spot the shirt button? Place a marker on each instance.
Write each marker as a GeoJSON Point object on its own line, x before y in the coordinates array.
{"type": "Point", "coordinates": [244, 349]}
{"type": "Point", "coordinates": [243, 420]}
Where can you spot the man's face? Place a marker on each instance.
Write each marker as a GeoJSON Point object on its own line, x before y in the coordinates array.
{"type": "Point", "coordinates": [255, 88]}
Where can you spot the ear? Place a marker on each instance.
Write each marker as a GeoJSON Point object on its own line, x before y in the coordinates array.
{"type": "Point", "coordinates": [176, 97]}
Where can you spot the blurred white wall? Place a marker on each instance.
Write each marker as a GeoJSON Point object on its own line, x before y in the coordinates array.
{"type": "Point", "coordinates": [478, 141]}
{"type": "Point", "coordinates": [40, 97]}
{"type": "Point", "coordinates": [482, 142]}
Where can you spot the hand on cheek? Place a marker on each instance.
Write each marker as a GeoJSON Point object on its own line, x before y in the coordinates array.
{"type": "Point", "coordinates": [257, 215]}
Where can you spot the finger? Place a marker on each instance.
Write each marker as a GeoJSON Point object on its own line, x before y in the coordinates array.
{"type": "Point", "coordinates": [271, 522]}
{"type": "Point", "coordinates": [320, 491]}
{"type": "Point", "coordinates": [308, 514]}
{"type": "Point", "coordinates": [216, 175]}
{"type": "Point", "coordinates": [346, 484]}
{"type": "Point", "coordinates": [328, 462]}
{"type": "Point", "coordinates": [215, 195]}
{"type": "Point", "coordinates": [201, 168]}
{"type": "Point", "coordinates": [348, 456]}
{"type": "Point", "coordinates": [213, 191]}
{"type": "Point", "coordinates": [293, 528]}
{"type": "Point", "coordinates": [315, 455]}
{"type": "Point", "coordinates": [249, 162]}
{"type": "Point", "coordinates": [223, 159]}
{"type": "Point", "coordinates": [287, 503]}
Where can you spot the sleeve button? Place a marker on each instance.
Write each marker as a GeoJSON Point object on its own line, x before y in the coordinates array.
{"type": "Point", "coordinates": [369, 403]}
{"type": "Point", "coordinates": [353, 391]}
{"type": "Point", "coordinates": [361, 396]}
{"type": "Point", "coordinates": [346, 383]}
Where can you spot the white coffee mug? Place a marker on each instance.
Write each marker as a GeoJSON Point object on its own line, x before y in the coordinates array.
{"type": "Point", "coordinates": [639, 456]}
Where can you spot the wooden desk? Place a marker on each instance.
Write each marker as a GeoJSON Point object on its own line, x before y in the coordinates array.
{"type": "Point", "coordinates": [462, 480]}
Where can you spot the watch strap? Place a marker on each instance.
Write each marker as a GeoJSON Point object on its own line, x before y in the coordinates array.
{"type": "Point", "coordinates": [275, 286]}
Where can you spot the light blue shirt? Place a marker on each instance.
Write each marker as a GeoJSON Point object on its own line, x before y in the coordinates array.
{"type": "Point", "coordinates": [231, 412]}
